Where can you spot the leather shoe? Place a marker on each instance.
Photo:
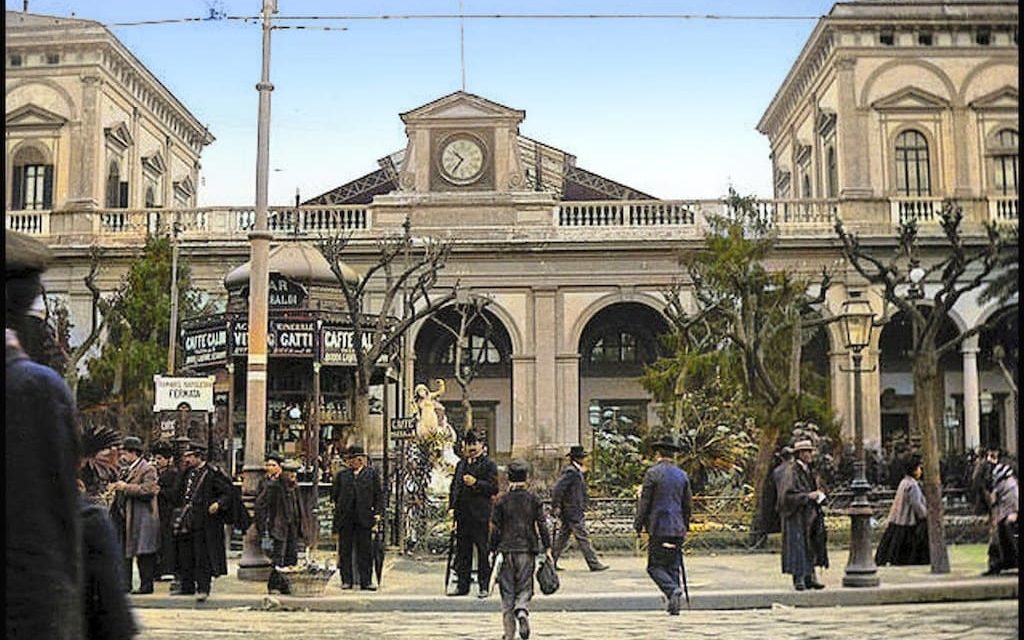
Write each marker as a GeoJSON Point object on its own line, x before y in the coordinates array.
{"type": "Point", "coordinates": [991, 572]}
{"type": "Point", "coordinates": [483, 593]}
{"type": "Point", "coordinates": [799, 585]}
{"type": "Point", "coordinates": [458, 593]}
{"type": "Point", "coordinates": [367, 587]}
{"type": "Point", "coordinates": [346, 586]}
{"type": "Point", "coordinates": [142, 592]}
{"type": "Point", "coordinates": [599, 567]}
{"type": "Point", "coordinates": [814, 584]}
{"type": "Point", "coordinates": [674, 602]}
{"type": "Point", "coordinates": [201, 596]}
{"type": "Point", "coordinates": [524, 624]}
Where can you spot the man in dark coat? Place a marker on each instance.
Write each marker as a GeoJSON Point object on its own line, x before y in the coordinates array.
{"type": "Point", "coordinates": [277, 516]}
{"type": "Point", "coordinates": [42, 521]}
{"type": "Point", "coordinates": [803, 539]}
{"type": "Point", "coordinates": [569, 499]}
{"type": "Point", "coordinates": [519, 534]}
{"type": "Point", "coordinates": [205, 491]}
{"type": "Point", "coordinates": [664, 510]}
{"type": "Point", "coordinates": [167, 472]}
{"type": "Point", "coordinates": [108, 614]}
{"type": "Point", "coordinates": [474, 484]}
{"type": "Point", "coordinates": [136, 500]}
{"type": "Point", "coordinates": [358, 507]}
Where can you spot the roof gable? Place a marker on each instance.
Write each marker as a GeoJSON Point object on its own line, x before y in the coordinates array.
{"type": "Point", "coordinates": [1003, 98]}
{"type": "Point", "coordinates": [461, 105]}
{"type": "Point", "coordinates": [910, 99]}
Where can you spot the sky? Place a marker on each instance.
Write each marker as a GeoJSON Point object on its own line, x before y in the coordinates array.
{"type": "Point", "coordinates": [665, 106]}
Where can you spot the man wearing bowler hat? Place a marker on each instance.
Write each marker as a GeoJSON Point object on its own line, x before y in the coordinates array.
{"type": "Point", "coordinates": [138, 514]}
{"type": "Point", "coordinates": [474, 484]}
{"type": "Point", "coordinates": [569, 499]}
{"type": "Point", "coordinates": [664, 510]}
{"type": "Point", "coordinates": [803, 533]}
{"type": "Point", "coordinates": [358, 507]}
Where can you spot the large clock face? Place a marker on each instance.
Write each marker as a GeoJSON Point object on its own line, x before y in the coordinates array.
{"type": "Point", "coordinates": [462, 160]}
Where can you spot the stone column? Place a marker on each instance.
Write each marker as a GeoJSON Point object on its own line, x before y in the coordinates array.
{"type": "Point", "coordinates": [871, 392]}
{"type": "Point", "coordinates": [851, 136]}
{"type": "Point", "coordinates": [134, 169]}
{"type": "Point", "coordinates": [568, 400]}
{"type": "Point", "coordinates": [962, 175]}
{"type": "Point", "coordinates": [167, 180]}
{"type": "Point", "coordinates": [86, 149]}
{"type": "Point", "coordinates": [842, 391]}
{"type": "Point", "coordinates": [524, 435]}
{"type": "Point", "coordinates": [545, 346]}
{"type": "Point", "coordinates": [972, 410]}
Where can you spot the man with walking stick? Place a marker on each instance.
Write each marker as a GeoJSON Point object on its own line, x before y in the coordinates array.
{"type": "Point", "coordinates": [664, 510]}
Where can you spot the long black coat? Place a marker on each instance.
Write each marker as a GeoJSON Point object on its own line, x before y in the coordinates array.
{"type": "Point", "coordinates": [42, 521]}
{"type": "Point", "coordinates": [108, 614]}
{"type": "Point", "coordinates": [803, 531]}
{"type": "Point", "coordinates": [472, 504]}
{"type": "Point", "coordinates": [357, 498]}
{"type": "Point", "coordinates": [569, 494]}
{"type": "Point", "coordinates": [216, 488]}
{"type": "Point", "coordinates": [166, 502]}
{"type": "Point", "coordinates": [278, 510]}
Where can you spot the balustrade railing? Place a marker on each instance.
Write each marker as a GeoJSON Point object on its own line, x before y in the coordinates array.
{"type": "Point", "coordinates": [925, 210]}
{"type": "Point", "coordinates": [1003, 209]}
{"type": "Point", "coordinates": [36, 223]}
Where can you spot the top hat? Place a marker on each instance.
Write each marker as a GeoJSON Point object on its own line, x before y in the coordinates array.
{"type": "Point", "coordinates": [275, 456]}
{"type": "Point", "coordinates": [355, 451]}
{"type": "Point", "coordinates": [576, 452]}
{"type": "Point", "coordinates": [518, 470]}
{"type": "Point", "coordinates": [802, 445]}
{"type": "Point", "coordinates": [131, 443]}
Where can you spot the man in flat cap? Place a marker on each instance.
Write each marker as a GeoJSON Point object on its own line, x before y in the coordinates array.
{"type": "Point", "coordinates": [136, 514]}
{"type": "Point", "coordinates": [803, 543]}
{"type": "Point", "coordinates": [42, 518]}
{"type": "Point", "coordinates": [205, 491]}
{"type": "Point", "coordinates": [358, 507]}
{"type": "Point", "coordinates": [277, 516]}
{"type": "Point", "coordinates": [569, 499]}
{"type": "Point", "coordinates": [474, 484]}
{"type": "Point", "coordinates": [664, 510]}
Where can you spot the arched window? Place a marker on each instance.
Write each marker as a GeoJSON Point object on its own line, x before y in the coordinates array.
{"type": "Point", "coordinates": [32, 180]}
{"type": "Point", "coordinates": [1005, 161]}
{"type": "Point", "coordinates": [913, 172]}
{"type": "Point", "coordinates": [831, 173]}
{"type": "Point", "coordinates": [806, 187]}
{"type": "Point", "coordinates": [614, 347]}
{"type": "Point", "coordinates": [150, 201]}
{"type": "Point", "coordinates": [117, 189]}
{"type": "Point", "coordinates": [479, 349]}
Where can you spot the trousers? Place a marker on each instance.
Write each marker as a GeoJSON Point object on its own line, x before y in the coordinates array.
{"type": "Point", "coordinates": [352, 536]}
{"type": "Point", "coordinates": [467, 538]}
{"type": "Point", "coordinates": [664, 563]}
{"type": "Point", "coordinates": [579, 530]}
{"type": "Point", "coordinates": [515, 582]}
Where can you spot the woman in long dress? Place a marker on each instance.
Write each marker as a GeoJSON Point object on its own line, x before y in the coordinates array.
{"type": "Point", "coordinates": [905, 540]}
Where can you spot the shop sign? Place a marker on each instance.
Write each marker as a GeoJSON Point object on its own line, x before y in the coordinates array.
{"type": "Point", "coordinates": [291, 337]}
{"type": "Point", "coordinates": [338, 344]}
{"type": "Point", "coordinates": [285, 293]}
{"type": "Point", "coordinates": [240, 338]}
{"type": "Point", "coordinates": [194, 393]}
{"type": "Point", "coordinates": [403, 428]}
{"type": "Point", "coordinates": [204, 345]}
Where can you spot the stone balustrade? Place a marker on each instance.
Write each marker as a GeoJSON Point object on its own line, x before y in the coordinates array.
{"type": "Point", "coordinates": [680, 218]}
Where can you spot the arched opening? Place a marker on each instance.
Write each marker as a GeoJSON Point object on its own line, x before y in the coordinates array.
{"type": "Point", "coordinates": [486, 361]}
{"type": "Point", "coordinates": [913, 168]}
{"type": "Point", "coordinates": [615, 346]}
{"type": "Point", "coordinates": [895, 347]}
{"type": "Point", "coordinates": [31, 180]}
{"type": "Point", "coordinates": [117, 191]}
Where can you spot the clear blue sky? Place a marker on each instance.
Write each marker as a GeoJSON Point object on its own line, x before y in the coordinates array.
{"type": "Point", "coordinates": [666, 106]}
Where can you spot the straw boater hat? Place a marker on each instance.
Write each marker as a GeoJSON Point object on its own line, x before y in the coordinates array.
{"type": "Point", "coordinates": [802, 445]}
{"type": "Point", "coordinates": [291, 465]}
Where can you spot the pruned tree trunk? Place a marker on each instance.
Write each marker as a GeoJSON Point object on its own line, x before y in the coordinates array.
{"type": "Point", "coordinates": [925, 372]}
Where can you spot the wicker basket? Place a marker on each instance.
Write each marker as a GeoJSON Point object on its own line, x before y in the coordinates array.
{"type": "Point", "coordinates": [306, 582]}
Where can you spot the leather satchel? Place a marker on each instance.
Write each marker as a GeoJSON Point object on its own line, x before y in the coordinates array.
{"type": "Point", "coordinates": [547, 577]}
{"type": "Point", "coordinates": [181, 520]}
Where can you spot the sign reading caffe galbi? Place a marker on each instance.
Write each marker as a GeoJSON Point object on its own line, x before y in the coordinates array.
{"type": "Point", "coordinates": [172, 393]}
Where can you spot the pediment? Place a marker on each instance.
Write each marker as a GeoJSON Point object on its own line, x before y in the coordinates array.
{"type": "Point", "coordinates": [462, 106]}
{"type": "Point", "coordinates": [1002, 98]}
{"type": "Point", "coordinates": [154, 163]}
{"type": "Point", "coordinates": [30, 115]}
{"type": "Point", "coordinates": [185, 186]}
{"type": "Point", "coordinates": [910, 99]}
{"type": "Point", "coordinates": [119, 135]}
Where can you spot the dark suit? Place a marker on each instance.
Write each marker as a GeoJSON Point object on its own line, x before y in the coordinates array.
{"type": "Point", "coordinates": [472, 506]}
{"type": "Point", "coordinates": [569, 499]}
{"type": "Point", "coordinates": [278, 514]}
{"type": "Point", "coordinates": [358, 498]}
{"type": "Point", "coordinates": [664, 510]}
{"type": "Point", "coordinates": [803, 532]}
{"type": "Point", "coordinates": [201, 553]}
{"type": "Point", "coordinates": [166, 501]}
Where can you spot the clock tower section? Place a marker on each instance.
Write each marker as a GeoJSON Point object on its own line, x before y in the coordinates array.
{"type": "Point", "coordinates": [462, 143]}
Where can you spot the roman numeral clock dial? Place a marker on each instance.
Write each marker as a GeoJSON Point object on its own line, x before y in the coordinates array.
{"type": "Point", "coordinates": [462, 160]}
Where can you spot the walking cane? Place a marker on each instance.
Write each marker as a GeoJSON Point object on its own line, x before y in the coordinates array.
{"type": "Point", "coordinates": [682, 576]}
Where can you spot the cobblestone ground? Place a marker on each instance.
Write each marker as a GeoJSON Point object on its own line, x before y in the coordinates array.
{"type": "Point", "coordinates": [982, 620]}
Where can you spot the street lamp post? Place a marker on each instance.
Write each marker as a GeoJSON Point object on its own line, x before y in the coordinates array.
{"type": "Point", "coordinates": [857, 321]}
{"type": "Point", "coordinates": [254, 564]}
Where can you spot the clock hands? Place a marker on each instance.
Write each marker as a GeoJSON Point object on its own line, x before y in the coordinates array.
{"type": "Point", "coordinates": [456, 154]}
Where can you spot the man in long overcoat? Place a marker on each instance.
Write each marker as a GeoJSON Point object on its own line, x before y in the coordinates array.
{"type": "Point", "coordinates": [42, 525]}
{"type": "Point", "coordinates": [474, 484]}
{"type": "Point", "coordinates": [358, 506]}
{"type": "Point", "coordinates": [205, 491]}
{"type": "Point", "coordinates": [569, 499]}
{"type": "Point", "coordinates": [136, 501]}
{"type": "Point", "coordinates": [803, 534]}
{"type": "Point", "coordinates": [278, 516]}
{"type": "Point", "coordinates": [664, 510]}
{"type": "Point", "coordinates": [167, 472]}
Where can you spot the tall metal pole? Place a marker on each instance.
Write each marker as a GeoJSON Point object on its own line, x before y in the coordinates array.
{"type": "Point", "coordinates": [254, 565]}
{"type": "Point", "coordinates": [860, 568]}
{"type": "Point", "coordinates": [172, 338]}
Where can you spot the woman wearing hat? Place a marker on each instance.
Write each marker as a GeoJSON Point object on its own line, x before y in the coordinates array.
{"type": "Point", "coordinates": [569, 499]}
{"type": "Point", "coordinates": [905, 540]}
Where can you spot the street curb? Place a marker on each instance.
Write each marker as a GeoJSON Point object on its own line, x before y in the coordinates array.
{"type": "Point", "coordinates": [952, 591]}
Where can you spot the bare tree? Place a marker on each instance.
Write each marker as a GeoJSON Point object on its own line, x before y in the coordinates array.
{"type": "Point", "coordinates": [407, 271]}
{"type": "Point", "coordinates": [470, 320]}
{"type": "Point", "coordinates": [959, 270]}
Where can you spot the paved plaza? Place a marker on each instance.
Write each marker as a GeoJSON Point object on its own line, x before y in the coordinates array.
{"type": "Point", "coordinates": [983, 620]}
